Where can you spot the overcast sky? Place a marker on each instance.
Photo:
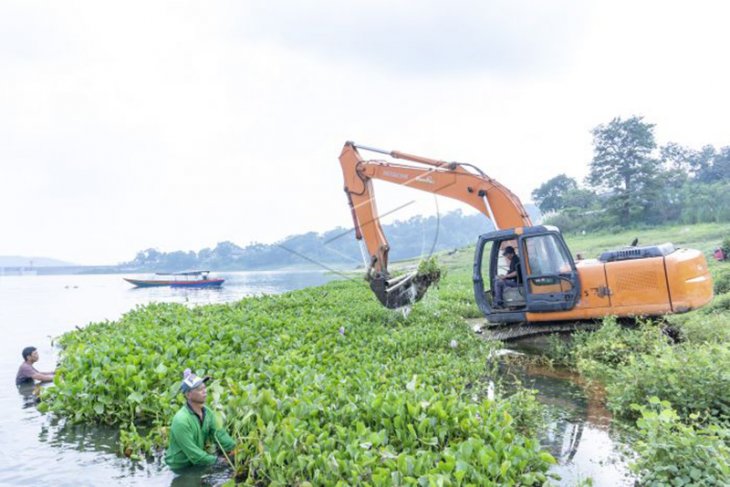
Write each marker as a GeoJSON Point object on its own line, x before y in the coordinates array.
{"type": "Point", "coordinates": [177, 125]}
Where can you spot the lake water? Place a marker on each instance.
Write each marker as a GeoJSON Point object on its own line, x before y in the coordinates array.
{"type": "Point", "coordinates": [580, 431]}
{"type": "Point", "coordinates": [34, 310]}
{"type": "Point", "coordinates": [37, 450]}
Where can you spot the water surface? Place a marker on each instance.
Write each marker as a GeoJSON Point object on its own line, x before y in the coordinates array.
{"type": "Point", "coordinates": [39, 450]}
{"type": "Point", "coordinates": [580, 432]}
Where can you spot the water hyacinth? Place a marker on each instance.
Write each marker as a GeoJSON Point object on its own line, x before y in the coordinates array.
{"type": "Point", "coordinates": [391, 405]}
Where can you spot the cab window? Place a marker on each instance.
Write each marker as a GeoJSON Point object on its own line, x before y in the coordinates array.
{"type": "Point", "coordinates": [546, 257]}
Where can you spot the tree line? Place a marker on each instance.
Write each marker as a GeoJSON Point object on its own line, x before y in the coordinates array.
{"type": "Point", "coordinates": [632, 181]}
{"type": "Point", "coordinates": [414, 237]}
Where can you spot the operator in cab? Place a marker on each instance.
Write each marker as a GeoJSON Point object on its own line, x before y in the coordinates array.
{"type": "Point", "coordinates": [513, 278]}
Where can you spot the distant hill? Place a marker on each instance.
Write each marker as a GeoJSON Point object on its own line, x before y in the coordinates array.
{"type": "Point", "coordinates": [337, 247]}
{"type": "Point", "coordinates": [22, 261]}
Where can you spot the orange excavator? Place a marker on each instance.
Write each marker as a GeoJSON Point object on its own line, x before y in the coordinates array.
{"type": "Point", "coordinates": [551, 286]}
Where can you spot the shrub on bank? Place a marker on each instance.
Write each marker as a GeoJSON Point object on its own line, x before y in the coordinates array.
{"type": "Point", "coordinates": [720, 304]}
{"type": "Point", "coordinates": [321, 385]}
{"type": "Point", "coordinates": [599, 354]}
{"type": "Point", "coordinates": [721, 281]}
{"type": "Point", "coordinates": [700, 328]}
{"type": "Point", "coordinates": [671, 452]}
{"type": "Point", "coordinates": [693, 378]}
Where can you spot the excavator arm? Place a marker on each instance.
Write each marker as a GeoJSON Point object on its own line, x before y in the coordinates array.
{"type": "Point", "coordinates": [459, 181]}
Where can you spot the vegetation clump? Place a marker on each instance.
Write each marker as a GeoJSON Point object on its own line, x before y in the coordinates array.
{"type": "Point", "coordinates": [601, 353]}
{"type": "Point", "coordinates": [671, 452]}
{"type": "Point", "coordinates": [320, 386]}
{"type": "Point", "coordinates": [693, 379]}
{"type": "Point", "coordinates": [430, 270]}
{"type": "Point", "coordinates": [721, 283]}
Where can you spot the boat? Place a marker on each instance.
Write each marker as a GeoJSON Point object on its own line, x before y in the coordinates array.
{"type": "Point", "coordinates": [179, 279]}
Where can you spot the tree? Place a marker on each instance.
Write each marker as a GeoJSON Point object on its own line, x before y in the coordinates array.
{"type": "Point", "coordinates": [713, 166]}
{"type": "Point", "coordinates": [550, 196]}
{"type": "Point", "coordinates": [623, 164]}
{"type": "Point", "coordinates": [680, 159]}
{"type": "Point", "coordinates": [580, 198]}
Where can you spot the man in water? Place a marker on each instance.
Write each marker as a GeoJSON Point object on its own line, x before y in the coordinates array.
{"type": "Point", "coordinates": [193, 426]}
{"type": "Point", "coordinates": [27, 374]}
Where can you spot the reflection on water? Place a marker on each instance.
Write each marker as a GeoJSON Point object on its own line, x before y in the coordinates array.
{"type": "Point", "coordinates": [39, 450]}
{"type": "Point", "coordinates": [578, 432]}
{"type": "Point", "coordinates": [29, 393]}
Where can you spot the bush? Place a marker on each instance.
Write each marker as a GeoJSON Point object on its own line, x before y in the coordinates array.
{"type": "Point", "coordinates": [693, 378]}
{"type": "Point", "coordinates": [575, 220]}
{"type": "Point", "coordinates": [703, 328]}
{"type": "Point", "coordinates": [599, 354]}
{"type": "Point", "coordinates": [673, 453]}
{"type": "Point", "coordinates": [720, 304]}
{"type": "Point", "coordinates": [560, 351]}
{"type": "Point", "coordinates": [721, 282]}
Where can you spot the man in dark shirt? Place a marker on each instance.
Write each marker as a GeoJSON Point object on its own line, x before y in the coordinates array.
{"type": "Point", "coordinates": [513, 278]}
{"type": "Point", "coordinates": [27, 373]}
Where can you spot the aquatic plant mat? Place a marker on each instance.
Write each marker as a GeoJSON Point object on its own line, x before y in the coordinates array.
{"type": "Point", "coordinates": [322, 386]}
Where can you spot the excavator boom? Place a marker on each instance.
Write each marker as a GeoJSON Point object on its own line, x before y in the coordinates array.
{"type": "Point", "coordinates": [455, 180]}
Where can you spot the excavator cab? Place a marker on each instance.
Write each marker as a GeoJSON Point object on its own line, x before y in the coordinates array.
{"type": "Point", "coordinates": [548, 279]}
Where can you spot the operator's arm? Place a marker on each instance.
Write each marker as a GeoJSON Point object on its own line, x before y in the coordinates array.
{"type": "Point", "coordinates": [182, 434]}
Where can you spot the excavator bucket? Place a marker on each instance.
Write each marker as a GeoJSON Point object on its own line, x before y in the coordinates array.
{"type": "Point", "coordinates": [403, 290]}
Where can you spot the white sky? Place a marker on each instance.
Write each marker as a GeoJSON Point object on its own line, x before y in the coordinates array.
{"type": "Point", "coordinates": [176, 125]}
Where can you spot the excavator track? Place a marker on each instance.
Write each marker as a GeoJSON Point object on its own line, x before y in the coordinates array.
{"type": "Point", "coordinates": [515, 331]}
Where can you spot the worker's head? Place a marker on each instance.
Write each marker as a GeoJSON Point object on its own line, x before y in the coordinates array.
{"type": "Point", "coordinates": [508, 251]}
{"type": "Point", "coordinates": [193, 387]}
{"type": "Point", "coordinates": [30, 354]}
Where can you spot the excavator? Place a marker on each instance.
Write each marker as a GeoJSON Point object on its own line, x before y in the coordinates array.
{"type": "Point", "coordinates": [553, 287]}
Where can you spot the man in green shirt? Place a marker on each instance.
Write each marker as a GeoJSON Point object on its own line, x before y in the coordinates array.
{"type": "Point", "coordinates": [193, 426]}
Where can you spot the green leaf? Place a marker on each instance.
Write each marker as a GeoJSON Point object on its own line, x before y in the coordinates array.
{"type": "Point", "coordinates": [135, 397]}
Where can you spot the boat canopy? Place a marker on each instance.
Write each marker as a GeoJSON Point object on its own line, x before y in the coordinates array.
{"type": "Point", "coordinates": [186, 273]}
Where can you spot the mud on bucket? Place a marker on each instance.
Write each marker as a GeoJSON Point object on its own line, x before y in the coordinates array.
{"type": "Point", "coordinates": [403, 290]}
